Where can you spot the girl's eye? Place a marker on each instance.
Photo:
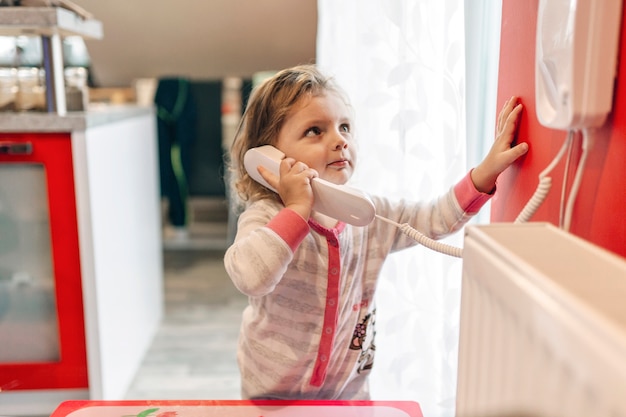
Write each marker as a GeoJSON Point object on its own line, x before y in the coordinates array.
{"type": "Point", "coordinates": [345, 128]}
{"type": "Point", "coordinates": [314, 131]}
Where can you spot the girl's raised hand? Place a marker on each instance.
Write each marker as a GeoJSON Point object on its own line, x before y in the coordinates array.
{"type": "Point", "coordinates": [502, 154]}
{"type": "Point", "coordinates": [293, 185]}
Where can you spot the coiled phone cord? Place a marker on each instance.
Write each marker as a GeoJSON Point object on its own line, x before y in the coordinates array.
{"type": "Point", "coordinates": [543, 188]}
{"type": "Point", "coordinates": [424, 240]}
{"type": "Point", "coordinates": [545, 183]}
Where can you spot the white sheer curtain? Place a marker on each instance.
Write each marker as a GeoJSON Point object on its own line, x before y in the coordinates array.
{"type": "Point", "coordinates": [403, 64]}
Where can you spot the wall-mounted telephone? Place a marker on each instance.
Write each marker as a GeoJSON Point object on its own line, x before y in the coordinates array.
{"type": "Point", "coordinates": [337, 201]}
{"type": "Point", "coordinates": [575, 61]}
{"type": "Point", "coordinates": [577, 44]}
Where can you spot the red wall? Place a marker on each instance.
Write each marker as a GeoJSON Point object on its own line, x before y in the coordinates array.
{"type": "Point", "coordinates": [599, 215]}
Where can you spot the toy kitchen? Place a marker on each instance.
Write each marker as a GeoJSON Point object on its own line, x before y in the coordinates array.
{"type": "Point", "coordinates": [80, 243]}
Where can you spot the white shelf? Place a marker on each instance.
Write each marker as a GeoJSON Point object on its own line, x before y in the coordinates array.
{"type": "Point", "coordinates": [29, 21]}
{"type": "Point", "coordinates": [51, 24]}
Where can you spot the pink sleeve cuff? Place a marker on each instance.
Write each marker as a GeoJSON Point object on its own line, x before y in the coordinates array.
{"type": "Point", "coordinates": [470, 199]}
{"type": "Point", "coordinates": [290, 226]}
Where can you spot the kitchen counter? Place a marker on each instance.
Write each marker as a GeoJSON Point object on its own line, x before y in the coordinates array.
{"type": "Point", "coordinates": [113, 171]}
{"type": "Point", "coordinates": [96, 115]}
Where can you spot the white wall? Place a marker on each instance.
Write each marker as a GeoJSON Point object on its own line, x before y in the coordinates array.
{"type": "Point", "coordinates": [199, 38]}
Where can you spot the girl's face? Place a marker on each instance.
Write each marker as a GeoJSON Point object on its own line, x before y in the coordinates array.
{"type": "Point", "coordinates": [318, 132]}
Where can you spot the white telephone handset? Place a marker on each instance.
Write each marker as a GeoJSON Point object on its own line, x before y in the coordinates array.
{"type": "Point", "coordinates": [340, 202]}
{"type": "Point", "coordinates": [337, 201]}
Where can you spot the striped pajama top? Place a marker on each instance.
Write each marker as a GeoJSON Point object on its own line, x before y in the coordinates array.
{"type": "Point", "coordinates": [308, 332]}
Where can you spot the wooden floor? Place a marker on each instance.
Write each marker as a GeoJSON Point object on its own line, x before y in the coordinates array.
{"type": "Point", "coordinates": [193, 355]}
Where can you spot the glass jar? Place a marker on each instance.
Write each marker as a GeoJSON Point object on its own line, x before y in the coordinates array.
{"type": "Point", "coordinates": [76, 91]}
{"type": "Point", "coordinates": [31, 91]}
{"type": "Point", "coordinates": [8, 88]}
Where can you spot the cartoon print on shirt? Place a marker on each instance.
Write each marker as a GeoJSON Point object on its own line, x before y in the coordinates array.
{"type": "Point", "coordinates": [363, 340]}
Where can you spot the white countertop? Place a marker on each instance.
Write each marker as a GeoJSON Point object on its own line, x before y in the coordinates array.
{"type": "Point", "coordinates": [97, 114]}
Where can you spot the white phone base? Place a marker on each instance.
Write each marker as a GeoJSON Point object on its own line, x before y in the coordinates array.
{"type": "Point", "coordinates": [340, 202]}
{"type": "Point", "coordinates": [576, 61]}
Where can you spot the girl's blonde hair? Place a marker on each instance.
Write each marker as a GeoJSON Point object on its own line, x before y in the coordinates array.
{"type": "Point", "coordinates": [265, 113]}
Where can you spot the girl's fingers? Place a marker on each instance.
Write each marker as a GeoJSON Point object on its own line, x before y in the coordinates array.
{"type": "Point", "coordinates": [509, 108]}
{"type": "Point", "coordinates": [510, 122]}
{"type": "Point", "coordinates": [268, 176]}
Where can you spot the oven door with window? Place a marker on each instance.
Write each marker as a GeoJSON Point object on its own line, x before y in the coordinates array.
{"type": "Point", "coordinates": [42, 332]}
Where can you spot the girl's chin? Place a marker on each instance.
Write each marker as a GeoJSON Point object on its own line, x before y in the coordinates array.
{"type": "Point", "coordinates": [337, 180]}
{"type": "Point", "coordinates": [336, 176]}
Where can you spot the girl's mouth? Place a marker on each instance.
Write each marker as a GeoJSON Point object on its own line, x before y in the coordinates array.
{"type": "Point", "coordinates": [339, 164]}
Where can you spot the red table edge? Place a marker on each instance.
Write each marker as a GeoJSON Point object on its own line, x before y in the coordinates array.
{"type": "Point", "coordinates": [67, 407]}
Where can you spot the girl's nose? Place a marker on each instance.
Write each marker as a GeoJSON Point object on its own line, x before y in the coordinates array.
{"type": "Point", "coordinates": [341, 142]}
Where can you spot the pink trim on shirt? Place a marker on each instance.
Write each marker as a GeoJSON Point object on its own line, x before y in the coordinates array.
{"type": "Point", "coordinates": [290, 226]}
{"type": "Point", "coordinates": [470, 199]}
{"type": "Point", "coordinates": [331, 309]}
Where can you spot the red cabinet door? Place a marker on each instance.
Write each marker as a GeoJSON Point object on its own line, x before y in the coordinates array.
{"type": "Point", "coordinates": [41, 302]}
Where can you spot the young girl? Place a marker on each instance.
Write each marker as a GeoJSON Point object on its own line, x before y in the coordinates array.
{"type": "Point", "coordinates": [308, 332]}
